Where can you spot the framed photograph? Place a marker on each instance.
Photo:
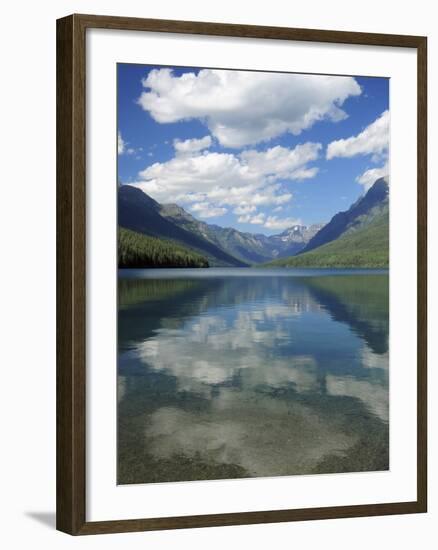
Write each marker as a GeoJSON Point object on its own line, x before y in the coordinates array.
{"type": "Point", "coordinates": [241, 288]}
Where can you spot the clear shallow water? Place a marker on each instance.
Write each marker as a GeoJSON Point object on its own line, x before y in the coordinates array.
{"type": "Point", "coordinates": [226, 373]}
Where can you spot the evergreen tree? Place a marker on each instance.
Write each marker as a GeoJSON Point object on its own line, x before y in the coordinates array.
{"type": "Point", "coordinates": [137, 250]}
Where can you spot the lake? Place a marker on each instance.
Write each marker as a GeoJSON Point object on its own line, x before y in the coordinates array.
{"type": "Point", "coordinates": [231, 373]}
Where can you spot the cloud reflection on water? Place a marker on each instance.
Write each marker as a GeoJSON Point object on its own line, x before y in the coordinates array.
{"type": "Point", "coordinates": [287, 375]}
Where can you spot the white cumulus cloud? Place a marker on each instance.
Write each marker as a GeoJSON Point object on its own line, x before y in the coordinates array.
{"type": "Point", "coordinates": [270, 222]}
{"type": "Point", "coordinates": [240, 210]}
{"type": "Point", "coordinates": [282, 162]}
{"type": "Point", "coordinates": [192, 145]}
{"type": "Point", "coordinates": [256, 219]}
{"type": "Point", "coordinates": [370, 176]}
{"type": "Point", "coordinates": [373, 140]}
{"type": "Point", "coordinates": [206, 210]}
{"type": "Point", "coordinates": [243, 107]}
{"type": "Point", "coordinates": [273, 222]}
{"type": "Point", "coordinates": [120, 144]}
{"type": "Point", "coordinates": [245, 181]}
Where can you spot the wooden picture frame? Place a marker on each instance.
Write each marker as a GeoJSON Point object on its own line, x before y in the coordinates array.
{"type": "Point", "coordinates": [71, 274]}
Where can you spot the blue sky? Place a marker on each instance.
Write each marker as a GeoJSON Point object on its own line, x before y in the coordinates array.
{"type": "Point", "coordinates": [255, 151]}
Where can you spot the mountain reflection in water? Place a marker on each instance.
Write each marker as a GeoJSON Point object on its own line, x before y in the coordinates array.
{"type": "Point", "coordinates": [245, 373]}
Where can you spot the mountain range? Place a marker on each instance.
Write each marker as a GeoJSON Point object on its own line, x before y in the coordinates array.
{"type": "Point", "coordinates": [222, 246]}
{"type": "Point", "coordinates": [361, 213]}
{"type": "Point", "coordinates": [358, 237]}
{"type": "Point", "coordinates": [248, 247]}
{"type": "Point", "coordinates": [355, 237]}
{"type": "Point", "coordinates": [139, 212]}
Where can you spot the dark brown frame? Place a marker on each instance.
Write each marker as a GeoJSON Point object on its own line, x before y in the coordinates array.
{"type": "Point", "coordinates": [71, 265]}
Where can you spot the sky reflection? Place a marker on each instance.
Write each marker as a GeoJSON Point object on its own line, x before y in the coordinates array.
{"type": "Point", "coordinates": [243, 376]}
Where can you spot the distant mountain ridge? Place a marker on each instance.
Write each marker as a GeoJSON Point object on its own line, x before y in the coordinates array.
{"type": "Point", "coordinates": [359, 214]}
{"type": "Point", "coordinates": [358, 237]}
{"type": "Point", "coordinates": [223, 246]}
{"type": "Point", "coordinates": [248, 247]}
{"type": "Point", "coordinates": [243, 246]}
{"type": "Point", "coordinates": [355, 237]}
{"type": "Point", "coordinates": [139, 212]}
{"type": "Point", "coordinates": [295, 238]}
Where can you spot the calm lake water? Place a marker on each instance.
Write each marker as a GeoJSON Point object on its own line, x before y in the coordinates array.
{"type": "Point", "coordinates": [227, 373]}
